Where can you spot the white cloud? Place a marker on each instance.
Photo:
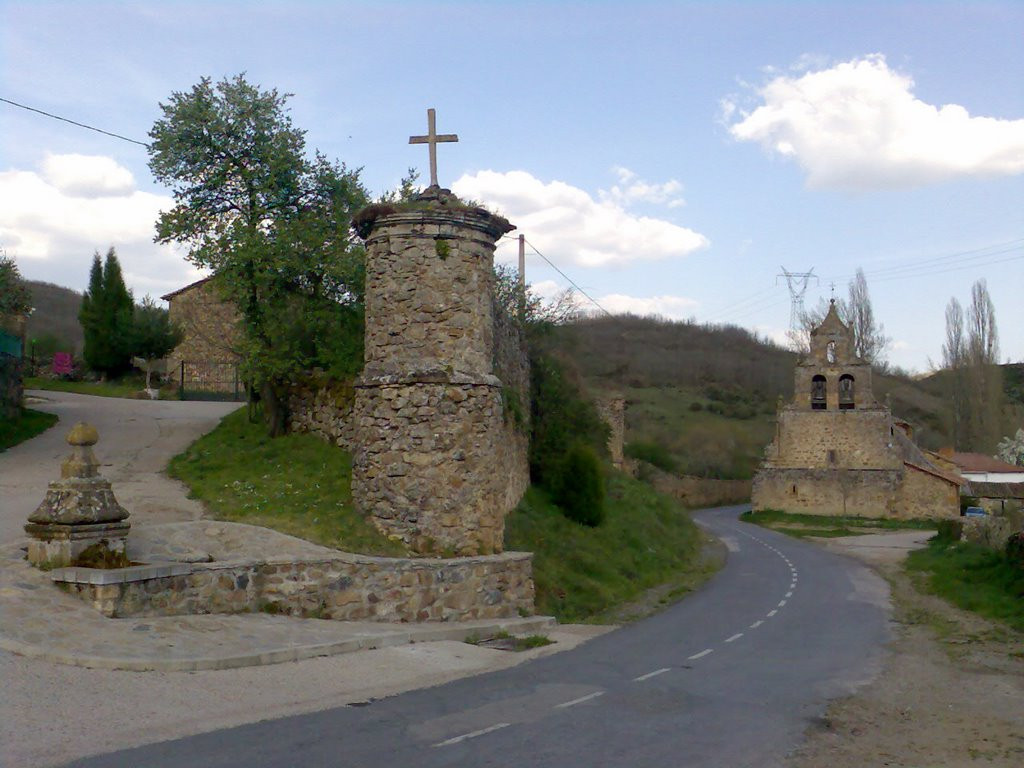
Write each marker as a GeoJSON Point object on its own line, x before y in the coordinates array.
{"type": "Point", "coordinates": [88, 176]}
{"type": "Point", "coordinates": [568, 224]}
{"type": "Point", "coordinates": [632, 189]}
{"type": "Point", "coordinates": [670, 307]}
{"type": "Point", "coordinates": [53, 221]}
{"type": "Point", "coordinates": [858, 125]}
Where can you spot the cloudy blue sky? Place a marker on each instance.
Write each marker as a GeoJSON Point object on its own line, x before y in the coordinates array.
{"type": "Point", "coordinates": [669, 157]}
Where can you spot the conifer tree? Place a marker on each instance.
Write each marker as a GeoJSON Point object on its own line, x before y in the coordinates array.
{"type": "Point", "coordinates": [106, 317]}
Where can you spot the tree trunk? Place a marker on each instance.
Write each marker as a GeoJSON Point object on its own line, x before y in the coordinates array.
{"type": "Point", "coordinates": [275, 409]}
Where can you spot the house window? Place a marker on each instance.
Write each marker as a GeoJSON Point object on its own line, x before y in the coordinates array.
{"type": "Point", "coordinates": [846, 400]}
{"type": "Point", "coordinates": [831, 457]}
{"type": "Point", "coordinates": [818, 397]}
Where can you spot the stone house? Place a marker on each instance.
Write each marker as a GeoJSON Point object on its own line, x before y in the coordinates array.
{"type": "Point", "coordinates": [207, 357]}
{"type": "Point", "coordinates": [837, 451]}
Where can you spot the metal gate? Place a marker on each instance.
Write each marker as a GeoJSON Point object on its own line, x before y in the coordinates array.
{"type": "Point", "coordinates": [206, 380]}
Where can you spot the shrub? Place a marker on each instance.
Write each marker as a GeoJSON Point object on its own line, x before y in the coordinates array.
{"type": "Point", "coordinates": [696, 406]}
{"type": "Point", "coordinates": [1015, 549]}
{"type": "Point", "coordinates": [653, 453]}
{"type": "Point", "coordinates": [950, 530]}
{"type": "Point", "coordinates": [579, 486]}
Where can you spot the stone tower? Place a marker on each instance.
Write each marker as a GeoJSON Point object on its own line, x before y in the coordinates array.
{"type": "Point", "coordinates": [431, 462]}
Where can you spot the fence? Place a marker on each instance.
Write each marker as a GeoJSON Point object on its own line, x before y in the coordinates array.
{"type": "Point", "coordinates": [207, 380]}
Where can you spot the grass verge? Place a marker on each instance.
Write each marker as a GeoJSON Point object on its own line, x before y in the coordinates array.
{"type": "Point", "coordinates": [581, 572]}
{"type": "Point", "coordinates": [972, 577]}
{"type": "Point", "coordinates": [827, 526]}
{"type": "Point", "coordinates": [296, 484]}
{"type": "Point", "coordinates": [29, 424]}
{"type": "Point", "coordinates": [128, 387]}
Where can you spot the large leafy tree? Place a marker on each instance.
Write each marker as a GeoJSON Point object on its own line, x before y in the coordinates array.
{"type": "Point", "coordinates": [272, 222]}
{"type": "Point", "coordinates": [106, 317]}
{"type": "Point", "coordinates": [15, 298]}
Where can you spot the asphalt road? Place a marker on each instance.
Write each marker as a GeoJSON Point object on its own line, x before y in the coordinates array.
{"type": "Point", "coordinates": [731, 676]}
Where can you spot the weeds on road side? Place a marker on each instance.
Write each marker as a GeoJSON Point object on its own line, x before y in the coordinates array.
{"type": "Point", "coordinates": [581, 572]}
{"type": "Point", "coordinates": [128, 386]}
{"type": "Point", "coordinates": [827, 526]}
{"type": "Point", "coordinates": [29, 424]}
{"type": "Point", "coordinates": [296, 484]}
{"type": "Point", "coordinates": [972, 577]}
{"type": "Point", "coordinates": [503, 641]}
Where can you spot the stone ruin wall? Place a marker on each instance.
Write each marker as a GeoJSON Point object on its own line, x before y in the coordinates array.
{"type": "Point", "coordinates": [344, 588]}
{"type": "Point", "coordinates": [12, 390]}
{"type": "Point", "coordinates": [512, 367]}
{"type": "Point", "coordinates": [613, 411]}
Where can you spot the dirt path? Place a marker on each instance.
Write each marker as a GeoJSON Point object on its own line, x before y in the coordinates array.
{"type": "Point", "coordinates": [951, 692]}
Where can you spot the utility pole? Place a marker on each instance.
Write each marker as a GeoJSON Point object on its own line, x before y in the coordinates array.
{"type": "Point", "coordinates": [797, 282]}
{"type": "Point", "coordinates": [522, 277]}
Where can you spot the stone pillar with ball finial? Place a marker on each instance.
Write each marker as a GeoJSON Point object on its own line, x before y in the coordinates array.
{"type": "Point", "coordinates": [79, 510]}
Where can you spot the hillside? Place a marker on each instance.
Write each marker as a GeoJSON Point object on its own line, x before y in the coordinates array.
{"type": "Point", "coordinates": [55, 314]}
{"type": "Point", "coordinates": [707, 395]}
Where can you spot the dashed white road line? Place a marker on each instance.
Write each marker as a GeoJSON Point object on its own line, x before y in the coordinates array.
{"type": "Point", "coordinates": [472, 735]}
{"type": "Point", "coordinates": [649, 675]}
{"type": "Point", "coordinates": [737, 636]}
{"type": "Point", "coordinates": [700, 655]}
{"type": "Point", "coordinates": [771, 613]}
{"type": "Point", "coordinates": [756, 624]}
{"type": "Point", "coordinates": [781, 603]}
{"type": "Point", "coordinates": [580, 700]}
{"type": "Point", "coordinates": [790, 593]}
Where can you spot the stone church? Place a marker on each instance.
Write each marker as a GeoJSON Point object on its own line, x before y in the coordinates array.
{"type": "Point", "coordinates": [837, 451]}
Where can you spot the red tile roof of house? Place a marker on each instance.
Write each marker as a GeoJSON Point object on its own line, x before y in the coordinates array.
{"type": "Point", "coordinates": [979, 462]}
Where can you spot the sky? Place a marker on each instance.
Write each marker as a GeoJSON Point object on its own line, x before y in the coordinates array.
{"type": "Point", "coordinates": [669, 158]}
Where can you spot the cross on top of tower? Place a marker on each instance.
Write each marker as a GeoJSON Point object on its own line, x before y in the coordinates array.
{"type": "Point", "coordinates": [433, 138]}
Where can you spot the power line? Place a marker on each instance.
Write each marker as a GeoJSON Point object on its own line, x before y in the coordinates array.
{"type": "Point", "coordinates": [569, 279]}
{"type": "Point", "coordinates": [74, 122]}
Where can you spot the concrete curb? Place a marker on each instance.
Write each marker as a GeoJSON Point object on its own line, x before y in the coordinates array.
{"type": "Point", "coordinates": [387, 638]}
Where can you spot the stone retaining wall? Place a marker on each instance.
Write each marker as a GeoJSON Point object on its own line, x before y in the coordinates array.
{"type": "Point", "coordinates": [694, 492]}
{"type": "Point", "coordinates": [345, 588]}
{"type": "Point", "coordinates": [322, 407]}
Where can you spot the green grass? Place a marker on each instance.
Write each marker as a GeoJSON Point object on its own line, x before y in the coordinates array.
{"type": "Point", "coordinates": [827, 526]}
{"type": "Point", "coordinates": [972, 577]}
{"type": "Point", "coordinates": [128, 387]}
{"type": "Point", "coordinates": [296, 484]}
{"type": "Point", "coordinates": [582, 572]}
{"type": "Point", "coordinates": [27, 426]}
{"type": "Point", "coordinates": [701, 442]}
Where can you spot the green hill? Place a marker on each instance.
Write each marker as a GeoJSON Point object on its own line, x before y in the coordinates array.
{"type": "Point", "coordinates": [705, 396]}
{"type": "Point", "coordinates": [53, 323]}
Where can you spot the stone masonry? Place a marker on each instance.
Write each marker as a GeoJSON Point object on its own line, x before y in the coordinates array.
{"type": "Point", "coordinates": [839, 452]}
{"type": "Point", "coordinates": [430, 463]}
{"type": "Point", "coordinates": [212, 331]}
{"type": "Point", "coordinates": [343, 587]}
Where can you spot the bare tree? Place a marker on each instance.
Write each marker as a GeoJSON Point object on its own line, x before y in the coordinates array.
{"type": "Point", "coordinates": [983, 338]}
{"type": "Point", "coordinates": [869, 339]}
{"type": "Point", "coordinates": [954, 359]}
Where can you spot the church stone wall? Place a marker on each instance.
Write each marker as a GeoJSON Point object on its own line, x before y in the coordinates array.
{"type": "Point", "coordinates": [859, 493]}
{"type": "Point", "coordinates": [859, 439]}
{"type": "Point", "coordinates": [923, 495]}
